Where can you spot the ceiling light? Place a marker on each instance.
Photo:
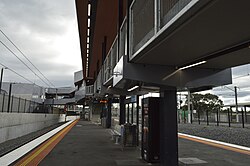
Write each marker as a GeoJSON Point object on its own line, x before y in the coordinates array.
{"type": "Point", "coordinates": [131, 89]}
{"type": "Point", "coordinates": [89, 22]}
{"type": "Point", "coordinates": [192, 65]}
{"type": "Point", "coordinates": [89, 8]}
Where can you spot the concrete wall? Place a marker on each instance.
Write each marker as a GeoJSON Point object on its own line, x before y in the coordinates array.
{"type": "Point", "coordinates": [13, 125]}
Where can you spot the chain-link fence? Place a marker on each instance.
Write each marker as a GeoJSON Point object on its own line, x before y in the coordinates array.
{"type": "Point", "coordinates": [19, 105]}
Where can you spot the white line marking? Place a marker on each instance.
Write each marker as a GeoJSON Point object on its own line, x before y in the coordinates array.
{"type": "Point", "coordinates": [21, 151]}
{"type": "Point", "coordinates": [217, 142]}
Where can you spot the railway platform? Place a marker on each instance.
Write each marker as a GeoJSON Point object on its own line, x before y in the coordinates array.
{"type": "Point", "coordinates": [84, 143]}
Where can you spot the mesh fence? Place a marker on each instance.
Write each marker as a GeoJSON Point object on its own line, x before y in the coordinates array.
{"type": "Point", "coordinates": [19, 105]}
{"type": "Point", "coordinates": [228, 118]}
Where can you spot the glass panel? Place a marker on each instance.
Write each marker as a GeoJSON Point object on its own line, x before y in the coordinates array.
{"type": "Point", "coordinates": [114, 55]}
{"type": "Point", "coordinates": [123, 40]}
{"type": "Point", "coordinates": [142, 18]}
{"type": "Point", "coordinates": [171, 8]}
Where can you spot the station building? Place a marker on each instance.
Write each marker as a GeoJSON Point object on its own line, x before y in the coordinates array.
{"type": "Point", "coordinates": [132, 47]}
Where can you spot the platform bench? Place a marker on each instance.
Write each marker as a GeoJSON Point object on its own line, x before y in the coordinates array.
{"type": "Point", "coordinates": [115, 135]}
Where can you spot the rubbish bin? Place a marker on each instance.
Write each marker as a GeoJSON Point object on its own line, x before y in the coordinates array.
{"type": "Point", "coordinates": [128, 132]}
{"type": "Point", "coordinates": [103, 122]}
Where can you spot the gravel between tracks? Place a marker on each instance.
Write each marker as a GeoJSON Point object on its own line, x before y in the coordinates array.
{"type": "Point", "coordinates": [238, 136]}
{"type": "Point", "coordinates": [10, 145]}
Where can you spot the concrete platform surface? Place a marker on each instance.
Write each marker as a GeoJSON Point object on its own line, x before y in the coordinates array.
{"type": "Point", "coordinates": [90, 145]}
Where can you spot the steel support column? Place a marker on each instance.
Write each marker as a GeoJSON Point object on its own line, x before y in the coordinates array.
{"type": "Point", "coordinates": [137, 119]}
{"type": "Point", "coordinates": [128, 113]}
{"type": "Point", "coordinates": [122, 110]}
{"type": "Point", "coordinates": [168, 128]}
{"type": "Point", "coordinates": [108, 120]}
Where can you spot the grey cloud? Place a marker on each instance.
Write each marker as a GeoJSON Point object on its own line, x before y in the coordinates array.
{"type": "Point", "coordinates": [33, 25]}
{"type": "Point", "coordinates": [240, 70]}
{"type": "Point", "coordinates": [36, 17]}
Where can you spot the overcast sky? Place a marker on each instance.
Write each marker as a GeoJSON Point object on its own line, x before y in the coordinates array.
{"type": "Point", "coordinates": [241, 79]}
{"type": "Point", "coordinates": [46, 32]}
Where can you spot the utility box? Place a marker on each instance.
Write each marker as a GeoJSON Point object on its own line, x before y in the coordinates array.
{"type": "Point", "coordinates": [150, 150]}
{"type": "Point", "coordinates": [128, 135]}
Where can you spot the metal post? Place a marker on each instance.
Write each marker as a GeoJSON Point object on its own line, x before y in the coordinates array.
{"type": "Point", "coordinates": [191, 114]}
{"type": "Point", "coordinates": [217, 115]}
{"type": "Point", "coordinates": [242, 116]}
{"type": "Point", "coordinates": [11, 107]}
{"type": "Point", "coordinates": [24, 105]}
{"type": "Point", "coordinates": [137, 119]}
{"type": "Point", "coordinates": [189, 108]}
{"type": "Point", "coordinates": [18, 109]}
{"type": "Point", "coordinates": [236, 104]}
{"type": "Point", "coordinates": [8, 108]}
{"type": "Point", "coordinates": [207, 117]}
{"type": "Point", "coordinates": [245, 107]}
{"type": "Point", "coordinates": [3, 102]}
{"type": "Point", "coordinates": [1, 80]}
{"type": "Point", "coordinates": [128, 113]}
{"type": "Point", "coordinates": [132, 114]}
{"type": "Point", "coordinates": [231, 112]}
{"type": "Point", "coordinates": [228, 114]}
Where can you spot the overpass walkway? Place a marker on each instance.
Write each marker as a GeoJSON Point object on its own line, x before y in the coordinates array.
{"type": "Point", "coordinates": [87, 144]}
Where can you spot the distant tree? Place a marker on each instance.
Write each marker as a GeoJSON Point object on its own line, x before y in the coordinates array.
{"type": "Point", "coordinates": [204, 102]}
